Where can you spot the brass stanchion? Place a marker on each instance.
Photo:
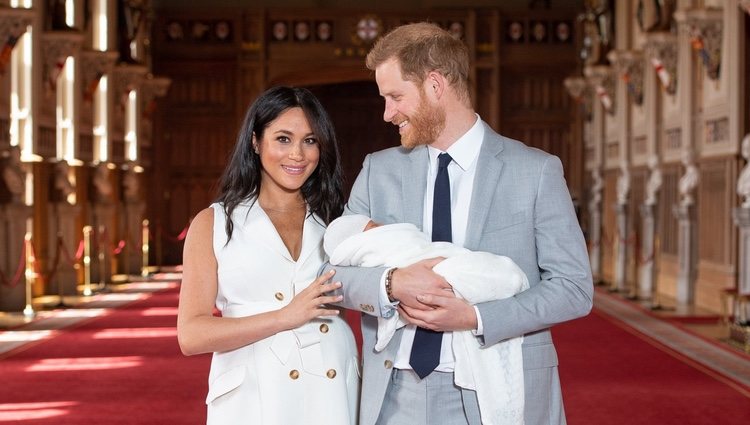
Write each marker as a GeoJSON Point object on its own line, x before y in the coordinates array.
{"type": "Point", "coordinates": [144, 248]}
{"type": "Point", "coordinates": [615, 255]}
{"type": "Point", "coordinates": [30, 276]}
{"type": "Point", "coordinates": [100, 257]}
{"type": "Point", "coordinates": [87, 261]}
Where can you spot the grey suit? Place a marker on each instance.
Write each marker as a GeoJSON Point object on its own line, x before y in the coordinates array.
{"type": "Point", "coordinates": [520, 208]}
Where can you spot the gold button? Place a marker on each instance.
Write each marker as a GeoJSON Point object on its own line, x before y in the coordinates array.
{"type": "Point", "coordinates": [294, 374]}
{"type": "Point", "coordinates": [388, 364]}
{"type": "Point", "coordinates": [279, 296]}
{"type": "Point", "coordinates": [331, 373]}
{"type": "Point", "coordinates": [324, 328]}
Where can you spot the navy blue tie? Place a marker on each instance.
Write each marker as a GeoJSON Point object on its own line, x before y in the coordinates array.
{"type": "Point", "coordinates": [425, 351]}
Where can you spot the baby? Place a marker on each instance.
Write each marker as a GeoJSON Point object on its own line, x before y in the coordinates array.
{"type": "Point", "coordinates": [494, 372]}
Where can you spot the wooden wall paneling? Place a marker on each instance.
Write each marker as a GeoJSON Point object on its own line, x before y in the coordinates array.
{"type": "Point", "coordinates": [609, 225]}
{"type": "Point", "coordinates": [668, 198]}
{"type": "Point", "coordinates": [357, 117]}
{"type": "Point", "coordinates": [485, 60]}
{"type": "Point", "coordinates": [716, 195]}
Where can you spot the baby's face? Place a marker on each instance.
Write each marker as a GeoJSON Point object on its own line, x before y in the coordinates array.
{"type": "Point", "coordinates": [371, 225]}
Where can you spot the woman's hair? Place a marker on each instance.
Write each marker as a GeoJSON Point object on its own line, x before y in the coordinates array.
{"type": "Point", "coordinates": [322, 191]}
{"type": "Point", "coordinates": [421, 48]}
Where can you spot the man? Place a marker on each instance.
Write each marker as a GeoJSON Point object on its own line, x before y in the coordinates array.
{"type": "Point", "coordinates": [489, 194]}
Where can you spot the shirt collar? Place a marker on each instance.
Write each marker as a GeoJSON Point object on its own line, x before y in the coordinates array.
{"type": "Point", "coordinates": [464, 150]}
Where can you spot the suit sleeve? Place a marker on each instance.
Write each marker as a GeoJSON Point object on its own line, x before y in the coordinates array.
{"type": "Point", "coordinates": [565, 291]}
{"type": "Point", "coordinates": [360, 286]}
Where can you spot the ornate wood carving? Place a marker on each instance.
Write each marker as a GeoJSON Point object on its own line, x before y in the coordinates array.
{"type": "Point", "coordinates": [661, 52]}
{"type": "Point", "coordinates": [94, 64]}
{"type": "Point", "coordinates": [13, 23]}
{"type": "Point", "coordinates": [57, 46]}
{"type": "Point", "coordinates": [125, 78]}
{"type": "Point", "coordinates": [602, 79]}
{"type": "Point", "coordinates": [704, 27]}
{"type": "Point", "coordinates": [629, 67]}
{"type": "Point", "coordinates": [581, 91]}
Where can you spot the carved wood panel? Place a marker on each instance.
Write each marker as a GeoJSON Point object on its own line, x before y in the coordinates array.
{"type": "Point", "coordinates": [536, 110]}
{"type": "Point", "coordinates": [717, 197]}
{"type": "Point", "coordinates": [357, 117]}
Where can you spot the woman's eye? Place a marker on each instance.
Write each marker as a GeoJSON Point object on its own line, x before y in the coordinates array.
{"type": "Point", "coordinates": [311, 141]}
{"type": "Point", "coordinates": [283, 139]}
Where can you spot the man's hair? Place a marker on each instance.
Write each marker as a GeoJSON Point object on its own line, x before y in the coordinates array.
{"type": "Point", "coordinates": [422, 48]}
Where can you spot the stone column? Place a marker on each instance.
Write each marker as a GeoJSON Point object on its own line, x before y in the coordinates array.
{"type": "Point", "coordinates": [103, 241]}
{"type": "Point", "coordinates": [621, 261]}
{"type": "Point", "coordinates": [595, 226]}
{"type": "Point", "coordinates": [63, 237]}
{"type": "Point", "coordinates": [133, 255]}
{"type": "Point", "coordinates": [647, 270]}
{"type": "Point", "coordinates": [621, 208]}
{"type": "Point", "coordinates": [687, 249]}
{"type": "Point", "coordinates": [13, 218]}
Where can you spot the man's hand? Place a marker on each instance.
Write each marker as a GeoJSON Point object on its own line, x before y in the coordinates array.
{"type": "Point", "coordinates": [445, 313]}
{"type": "Point", "coordinates": [409, 282]}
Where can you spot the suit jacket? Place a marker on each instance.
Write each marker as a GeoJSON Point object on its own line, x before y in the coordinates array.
{"type": "Point", "coordinates": [520, 208]}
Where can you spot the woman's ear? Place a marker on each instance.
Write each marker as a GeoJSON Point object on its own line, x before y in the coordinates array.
{"type": "Point", "coordinates": [254, 141]}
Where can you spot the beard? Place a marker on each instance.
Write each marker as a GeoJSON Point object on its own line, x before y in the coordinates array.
{"type": "Point", "coordinates": [425, 125]}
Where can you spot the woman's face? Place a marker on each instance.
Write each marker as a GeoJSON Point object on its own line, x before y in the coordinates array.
{"type": "Point", "coordinates": [289, 151]}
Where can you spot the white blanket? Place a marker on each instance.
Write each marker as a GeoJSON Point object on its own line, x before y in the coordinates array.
{"type": "Point", "coordinates": [494, 372]}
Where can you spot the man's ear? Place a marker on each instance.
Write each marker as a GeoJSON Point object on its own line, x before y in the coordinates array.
{"type": "Point", "coordinates": [435, 83]}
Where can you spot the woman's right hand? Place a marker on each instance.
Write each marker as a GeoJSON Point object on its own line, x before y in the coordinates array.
{"type": "Point", "coordinates": [309, 303]}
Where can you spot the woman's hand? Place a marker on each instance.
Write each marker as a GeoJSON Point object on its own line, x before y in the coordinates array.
{"type": "Point", "coordinates": [309, 303]}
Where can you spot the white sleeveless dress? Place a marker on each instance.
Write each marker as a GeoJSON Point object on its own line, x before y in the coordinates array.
{"type": "Point", "coordinates": [309, 375]}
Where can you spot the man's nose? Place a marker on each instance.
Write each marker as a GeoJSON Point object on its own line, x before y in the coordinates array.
{"type": "Point", "coordinates": [389, 111]}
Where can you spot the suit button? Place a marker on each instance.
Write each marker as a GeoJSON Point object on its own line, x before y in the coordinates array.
{"type": "Point", "coordinates": [279, 296]}
{"type": "Point", "coordinates": [324, 328]}
{"type": "Point", "coordinates": [388, 364]}
{"type": "Point", "coordinates": [294, 374]}
{"type": "Point", "coordinates": [331, 373]}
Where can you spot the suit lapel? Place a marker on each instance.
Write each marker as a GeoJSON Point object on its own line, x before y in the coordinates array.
{"type": "Point", "coordinates": [312, 235]}
{"type": "Point", "coordinates": [414, 185]}
{"type": "Point", "coordinates": [489, 166]}
{"type": "Point", "coordinates": [259, 227]}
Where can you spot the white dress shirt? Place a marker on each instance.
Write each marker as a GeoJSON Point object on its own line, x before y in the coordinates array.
{"type": "Point", "coordinates": [461, 171]}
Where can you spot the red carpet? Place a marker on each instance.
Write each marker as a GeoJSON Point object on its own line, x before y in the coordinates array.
{"type": "Point", "coordinates": [613, 375]}
{"type": "Point", "coordinates": [126, 368]}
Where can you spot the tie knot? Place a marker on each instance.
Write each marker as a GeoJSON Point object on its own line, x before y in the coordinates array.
{"type": "Point", "coordinates": [443, 160]}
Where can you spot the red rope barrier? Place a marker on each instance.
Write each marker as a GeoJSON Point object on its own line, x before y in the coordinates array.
{"type": "Point", "coordinates": [19, 270]}
{"type": "Point", "coordinates": [179, 238]}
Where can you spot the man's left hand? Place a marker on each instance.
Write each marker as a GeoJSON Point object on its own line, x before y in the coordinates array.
{"type": "Point", "coordinates": [448, 313]}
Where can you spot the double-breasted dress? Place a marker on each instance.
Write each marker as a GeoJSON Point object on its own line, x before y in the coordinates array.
{"type": "Point", "coordinates": [309, 375]}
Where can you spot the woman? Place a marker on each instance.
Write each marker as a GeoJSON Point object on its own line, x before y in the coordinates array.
{"type": "Point", "coordinates": [280, 355]}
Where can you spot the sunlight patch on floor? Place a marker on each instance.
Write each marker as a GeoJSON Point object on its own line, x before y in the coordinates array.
{"type": "Point", "coordinates": [27, 411]}
{"type": "Point", "coordinates": [160, 311]}
{"type": "Point", "coordinates": [85, 363]}
{"type": "Point", "coordinates": [135, 333]}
